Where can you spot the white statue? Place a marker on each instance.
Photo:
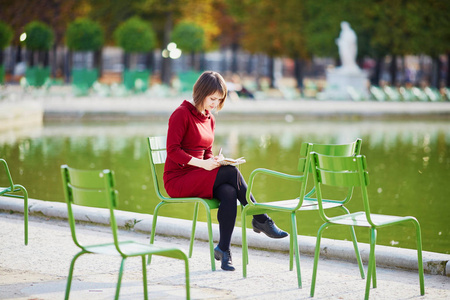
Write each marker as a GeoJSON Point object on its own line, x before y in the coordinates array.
{"type": "Point", "coordinates": [347, 49]}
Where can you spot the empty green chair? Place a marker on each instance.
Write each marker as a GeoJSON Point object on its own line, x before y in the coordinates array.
{"type": "Point", "coordinates": [351, 172]}
{"type": "Point", "coordinates": [305, 201]}
{"type": "Point", "coordinates": [407, 94]}
{"type": "Point", "coordinates": [392, 93]}
{"type": "Point", "coordinates": [419, 94]}
{"type": "Point", "coordinates": [15, 191]}
{"type": "Point", "coordinates": [95, 188]}
{"type": "Point", "coordinates": [433, 94]}
{"type": "Point", "coordinates": [158, 155]}
{"type": "Point", "coordinates": [378, 93]}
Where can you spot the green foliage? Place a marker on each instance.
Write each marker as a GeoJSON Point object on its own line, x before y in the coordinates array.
{"type": "Point", "coordinates": [428, 21]}
{"type": "Point", "coordinates": [322, 24]}
{"type": "Point", "coordinates": [84, 35]}
{"type": "Point", "coordinates": [110, 14]}
{"type": "Point", "coordinates": [135, 35]}
{"type": "Point", "coordinates": [6, 35]}
{"type": "Point", "coordinates": [189, 37]}
{"type": "Point", "coordinates": [39, 36]}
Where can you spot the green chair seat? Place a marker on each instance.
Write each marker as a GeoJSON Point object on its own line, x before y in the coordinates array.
{"type": "Point", "coordinates": [94, 188]}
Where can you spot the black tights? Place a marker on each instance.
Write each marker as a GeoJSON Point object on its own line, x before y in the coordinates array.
{"type": "Point", "coordinates": [229, 186]}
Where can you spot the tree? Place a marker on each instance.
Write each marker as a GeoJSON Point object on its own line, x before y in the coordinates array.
{"type": "Point", "coordinates": [165, 13]}
{"type": "Point", "coordinates": [189, 37]}
{"type": "Point", "coordinates": [6, 35]}
{"type": "Point", "coordinates": [261, 33]}
{"type": "Point", "coordinates": [428, 21]}
{"type": "Point", "coordinates": [135, 36]}
{"type": "Point", "coordinates": [56, 13]}
{"type": "Point", "coordinates": [84, 35]}
{"type": "Point", "coordinates": [40, 38]}
{"type": "Point", "coordinates": [293, 37]}
{"type": "Point", "coordinates": [110, 14]}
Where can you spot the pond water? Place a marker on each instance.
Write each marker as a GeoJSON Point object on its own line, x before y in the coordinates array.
{"type": "Point", "coordinates": [409, 165]}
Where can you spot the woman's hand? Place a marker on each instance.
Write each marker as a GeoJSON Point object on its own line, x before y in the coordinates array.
{"type": "Point", "coordinates": [210, 164]}
{"type": "Point", "coordinates": [219, 157]}
{"type": "Point", "coordinates": [207, 164]}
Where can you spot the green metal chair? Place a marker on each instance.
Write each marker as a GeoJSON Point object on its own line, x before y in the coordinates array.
{"type": "Point", "coordinates": [158, 155]}
{"type": "Point", "coordinates": [305, 201]}
{"type": "Point", "coordinates": [378, 93]}
{"type": "Point", "coordinates": [12, 191]}
{"type": "Point", "coordinates": [351, 172]}
{"type": "Point", "coordinates": [135, 80]}
{"type": "Point", "coordinates": [187, 80]}
{"type": "Point", "coordinates": [96, 189]}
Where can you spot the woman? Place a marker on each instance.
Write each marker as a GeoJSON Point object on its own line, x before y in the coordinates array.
{"type": "Point", "coordinates": [191, 170]}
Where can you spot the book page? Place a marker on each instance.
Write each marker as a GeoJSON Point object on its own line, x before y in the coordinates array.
{"type": "Point", "coordinates": [231, 161]}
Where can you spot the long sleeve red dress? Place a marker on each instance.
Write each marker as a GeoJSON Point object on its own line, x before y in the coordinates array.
{"type": "Point", "coordinates": [190, 134]}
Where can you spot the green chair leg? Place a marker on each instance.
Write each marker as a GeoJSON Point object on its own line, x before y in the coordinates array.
{"type": "Point", "coordinates": [244, 244]}
{"type": "Point", "coordinates": [152, 234]}
{"type": "Point", "coordinates": [355, 246]}
{"type": "Point", "coordinates": [296, 249]}
{"type": "Point", "coordinates": [194, 226]}
{"type": "Point", "coordinates": [25, 212]}
{"type": "Point", "coordinates": [316, 258]}
{"type": "Point", "coordinates": [69, 277]}
{"type": "Point", "coordinates": [144, 277]}
{"type": "Point", "coordinates": [186, 274]}
{"type": "Point", "coordinates": [370, 270]}
{"type": "Point", "coordinates": [119, 280]}
{"type": "Point", "coordinates": [419, 256]}
{"type": "Point", "coordinates": [210, 237]}
{"type": "Point", "coordinates": [291, 249]}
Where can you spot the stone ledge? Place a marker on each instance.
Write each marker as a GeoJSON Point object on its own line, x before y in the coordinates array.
{"type": "Point", "coordinates": [391, 257]}
{"type": "Point", "coordinates": [21, 114]}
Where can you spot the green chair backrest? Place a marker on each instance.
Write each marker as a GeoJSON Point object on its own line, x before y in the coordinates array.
{"type": "Point", "coordinates": [158, 155]}
{"type": "Point", "coordinates": [350, 149]}
{"type": "Point", "coordinates": [92, 188]}
{"type": "Point", "coordinates": [340, 171]}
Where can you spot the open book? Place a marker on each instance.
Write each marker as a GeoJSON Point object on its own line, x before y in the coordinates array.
{"type": "Point", "coordinates": [231, 161]}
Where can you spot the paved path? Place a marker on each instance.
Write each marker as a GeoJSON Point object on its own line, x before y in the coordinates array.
{"type": "Point", "coordinates": [39, 271]}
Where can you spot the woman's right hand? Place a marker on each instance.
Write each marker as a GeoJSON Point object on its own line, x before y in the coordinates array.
{"type": "Point", "coordinates": [207, 164]}
{"type": "Point", "coordinates": [210, 164]}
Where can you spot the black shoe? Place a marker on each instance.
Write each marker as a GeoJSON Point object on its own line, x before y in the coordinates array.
{"type": "Point", "coordinates": [225, 257]}
{"type": "Point", "coordinates": [269, 228]}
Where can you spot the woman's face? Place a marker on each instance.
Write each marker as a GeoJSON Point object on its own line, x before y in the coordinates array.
{"type": "Point", "coordinates": [212, 101]}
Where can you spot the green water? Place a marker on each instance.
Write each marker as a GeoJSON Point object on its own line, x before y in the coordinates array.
{"type": "Point", "coordinates": [409, 165]}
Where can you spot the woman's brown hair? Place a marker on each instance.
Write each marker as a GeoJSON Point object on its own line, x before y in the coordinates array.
{"type": "Point", "coordinates": [207, 84]}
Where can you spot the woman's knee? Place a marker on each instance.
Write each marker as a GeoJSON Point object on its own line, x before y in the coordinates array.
{"type": "Point", "coordinates": [225, 193]}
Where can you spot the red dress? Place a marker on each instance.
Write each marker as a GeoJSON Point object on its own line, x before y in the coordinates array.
{"type": "Point", "coordinates": [190, 134]}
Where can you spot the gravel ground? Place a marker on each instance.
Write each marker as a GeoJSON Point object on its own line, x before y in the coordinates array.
{"type": "Point", "coordinates": [39, 271]}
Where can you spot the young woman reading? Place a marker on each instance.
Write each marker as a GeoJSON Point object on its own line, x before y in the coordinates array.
{"type": "Point", "coordinates": [191, 170]}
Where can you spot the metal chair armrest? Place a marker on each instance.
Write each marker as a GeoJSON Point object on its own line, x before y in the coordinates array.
{"type": "Point", "coordinates": [271, 173]}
